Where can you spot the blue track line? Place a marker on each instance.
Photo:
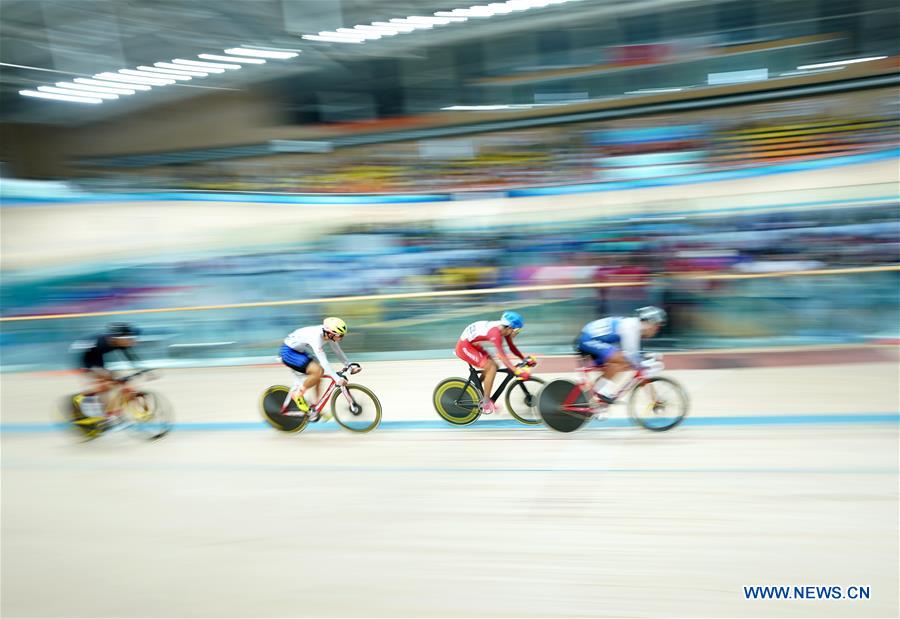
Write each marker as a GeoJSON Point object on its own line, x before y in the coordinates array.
{"type": "Point", "coordinates": [500, 424]}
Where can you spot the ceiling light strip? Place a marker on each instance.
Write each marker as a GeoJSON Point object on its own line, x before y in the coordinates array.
{"type": "Point", "coordinates": [47, 95]}
{"type": "Point", "coordinates": [231, 59]}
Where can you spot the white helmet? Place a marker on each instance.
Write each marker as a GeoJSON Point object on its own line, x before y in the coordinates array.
{"type": "Point", "coordinates": [651, 314]}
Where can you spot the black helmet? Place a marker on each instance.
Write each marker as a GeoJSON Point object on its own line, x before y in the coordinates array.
{"type": "Point", "coordinates": [122, 329]}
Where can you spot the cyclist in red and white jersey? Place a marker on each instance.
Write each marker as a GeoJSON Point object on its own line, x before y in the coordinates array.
{"type": "Point", "coordinates": [469, 349]}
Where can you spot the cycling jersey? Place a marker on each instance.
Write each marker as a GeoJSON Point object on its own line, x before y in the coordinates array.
{"type": "Point", "coordinates": [311, 340]}
{"type": "Point", "coordinates": [468, 348]}
{"type": "Point", "coordinates": [95, 356]}
{"type": "Point", "coordinates": [603, 338]}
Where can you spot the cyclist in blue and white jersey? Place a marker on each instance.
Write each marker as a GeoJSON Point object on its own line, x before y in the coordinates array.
{"type": "Point", "coordinates": [614, 344]}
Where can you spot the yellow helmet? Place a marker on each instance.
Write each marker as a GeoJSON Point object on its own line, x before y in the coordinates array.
{"type": "Point", "coordinates": [334, 325]}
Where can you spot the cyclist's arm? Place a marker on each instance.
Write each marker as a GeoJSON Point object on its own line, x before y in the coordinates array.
{"type": "Point", "coordinates": [513, 348]}
{"type": "Point", "coordinates": [497, 340]}
{"type": "Point", "coordinates": [630, 340]}
{"type": "Point", "coordinates": [319, 353]}
{"type": "Point", "coordinates": [132, 358]}
{"type": "Point", "coordinates": [340, 353]}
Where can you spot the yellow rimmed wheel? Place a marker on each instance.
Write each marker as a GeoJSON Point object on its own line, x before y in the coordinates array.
{"type": "Point", "coordinates": [86, 428]}
{"type": "Point", "coordinates": [270, 405]}
{"type": "Point", "coordinates": [457, 401]}
{"type": "Point", "coordinates": [522, 400]}
{"type": "Point", "coordinates": [358, 410]}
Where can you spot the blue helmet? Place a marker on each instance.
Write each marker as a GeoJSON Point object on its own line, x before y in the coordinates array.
{"type": "Point", "coordinates": [512, 320]}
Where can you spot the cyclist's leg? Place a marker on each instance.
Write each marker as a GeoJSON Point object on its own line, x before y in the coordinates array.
{"type": "Point", "coordinates": [301, 368]}
{"type": "Point", "coordinates": [606, 357]}
{"type": "Point", "coordinates": [615, 364]}
{"type": "Point", "coordinates": [477, 357]}
{"type": "Point", "coordinates": [314, 374]}
{"type": "Point", "coordinates": [94, 402]}
{"type": "Point", "coordinates": [487, 380]}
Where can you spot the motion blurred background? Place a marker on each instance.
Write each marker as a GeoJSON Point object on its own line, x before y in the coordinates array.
{"type": "Point", "coordinates": [180, 154]}
{"type": "Point", "coordinates": [221, 172]}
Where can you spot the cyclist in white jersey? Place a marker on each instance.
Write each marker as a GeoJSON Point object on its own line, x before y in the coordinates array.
{"type": "Point", "coordinates": [304, 352]}
{"type": "Point", "coordinates": [614, 344]}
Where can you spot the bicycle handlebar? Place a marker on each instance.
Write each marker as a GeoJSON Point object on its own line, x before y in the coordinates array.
{"type": "Point", "coordinates": [130, 377]}
{"type": "Point", "coordinates": [347, 367]}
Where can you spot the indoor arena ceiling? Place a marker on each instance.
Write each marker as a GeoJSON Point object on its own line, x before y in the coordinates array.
{"type": "Point", "coordinates": [52, 44]}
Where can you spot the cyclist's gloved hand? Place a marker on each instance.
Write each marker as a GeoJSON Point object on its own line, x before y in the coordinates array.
{"type": "Point", "coordinates": [530, 361]}
{"type": "Point", "coordinates": [355, 368]}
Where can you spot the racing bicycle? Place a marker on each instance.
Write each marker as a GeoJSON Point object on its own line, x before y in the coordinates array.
{"type": "Point", "coordinates": [146, 413]}
{"type": "Point", "coordinates": [657, 403]}
{"type": "Point", "coordinates": [353, 406]}
{"type": "Point", "coordinates": [458, 400]}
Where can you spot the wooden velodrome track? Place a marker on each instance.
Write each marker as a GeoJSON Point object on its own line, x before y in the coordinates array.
{"type": "Point", "coordinates": [782, 476]}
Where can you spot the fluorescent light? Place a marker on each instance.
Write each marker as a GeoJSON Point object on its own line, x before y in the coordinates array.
{"type": "Point", "coordinates": [472, 108]}
{"type": "Point", "coordinates": [196, 72]}
{"type": "Point", "coordinates": [810, 71]}
{"type": "Point", "coordinates": [342, 35]}
{"type": "Point", "coordinates": [474, 11]}
{"type": "Point", "coordinates": [108, 83]}
{"type": "Point", "coordinates": [115, 77]}
{"type": "Point", "coordinates": [232, 59]}
{"type": "Point", "coordinates": [382, 30]}
{"type": "Point", "coordinates": [499, 8]}
{"type": "Point", "coordinates": [47, 95]}
{"type": "Point", "coordinates": [644, 91]}
{"type": "Point", "coordinates": [358, 33]}
{"type": "Point", "coordinates": [205, 65]}
{"type": "Point", "coordinates": [414, 24]}
{"type": "Point", "coordinates": [508, 106]}
{"type": "Point", "coordinates": [157, 76]}
{"type": "Point", "coordinates": [89, 89]}
{"type": "Point", "coordinates": [837, 63]}
{"type": "Point", "coordinates": [371, 31]}
{"type": "Point", "coordinates": [171, 73]}
{"type": "Point", "coordinates": [260, 53]}
{"type": "Point", "coordinates": [452, 16]}
{"type": "Point", "coordinates": [400, 27]}
{"type": "Point", "coordinates": [75, 93]}
{"type": "Point", "coordinates": [331, 39]}
{"type": "Point", "coordinates": [437, 21]}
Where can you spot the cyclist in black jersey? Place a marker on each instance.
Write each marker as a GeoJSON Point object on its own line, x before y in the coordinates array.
{"type": "Point", "coordinates": [119, 337]}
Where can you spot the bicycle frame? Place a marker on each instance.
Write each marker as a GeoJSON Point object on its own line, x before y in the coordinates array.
{"type": "Point", "coordinates": [326, 395]}
{"type": "Point", "coordinates": [120, 395]}
{"type": "Point", "coordinates": [586, 386]}
{"type": "Point", "coordinates": [475, 378]}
